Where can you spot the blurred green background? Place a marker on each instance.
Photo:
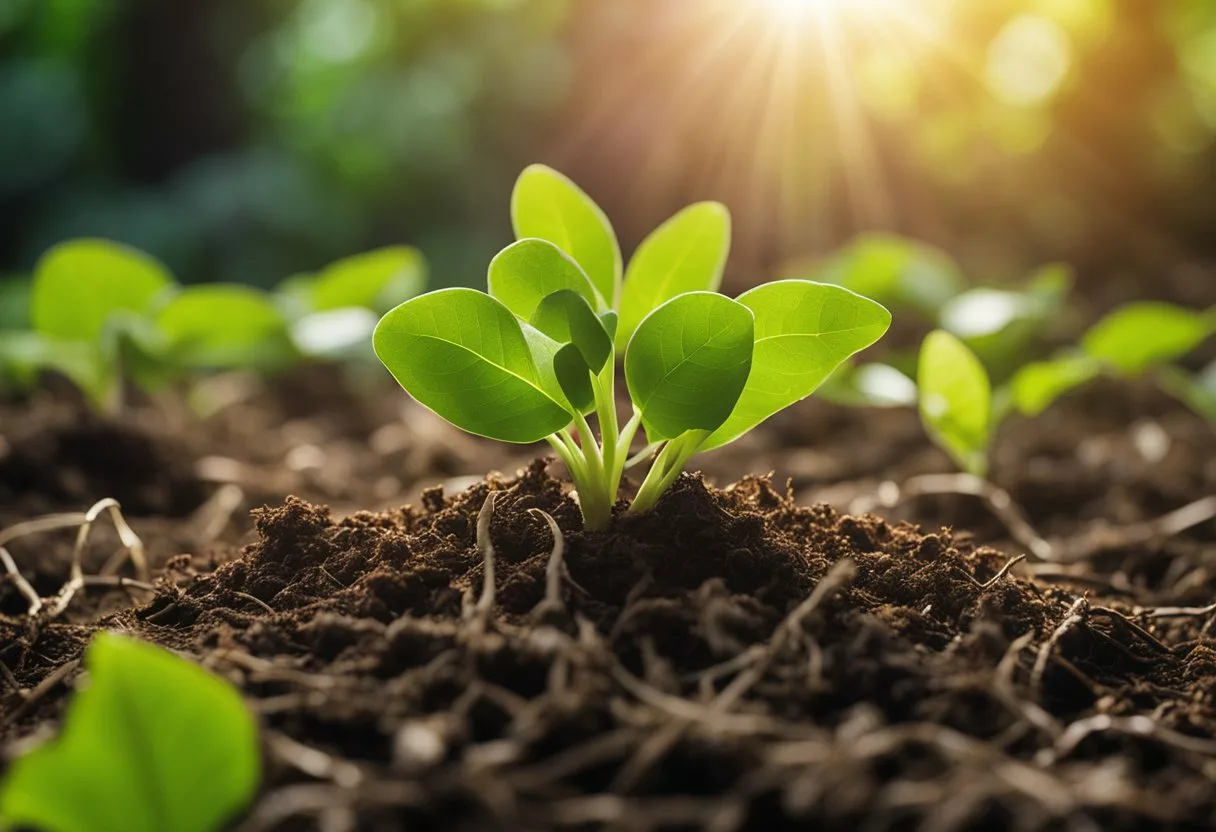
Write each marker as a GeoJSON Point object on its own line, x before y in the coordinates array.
{"type": "Point", "coordinates": [253, 139]}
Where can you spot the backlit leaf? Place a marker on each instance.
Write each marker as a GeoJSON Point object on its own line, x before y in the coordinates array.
{"type": "Point", "coordinates": [688, 362]}
{"type": "Point", "coordinates": [955, 400]}
{"type": "Point", "coordinates": [1039, 384]}
{"type": "Point", "coordinates": [804, 331]}
{"type": "Point", "coordinates": [1139, 336]}
{"type": "Point", "coordinates": [547, 205]}
{"type": "Point", "coordinates": [376, 280]}
{"type": "Point", "coordinates": [464, 355]}
{"type": "Point", "coordinates": [218, 325]}
{"type": "Point", "coordinates": [566, 318]}
{"type": "Point", "coordinates": [525, 273]}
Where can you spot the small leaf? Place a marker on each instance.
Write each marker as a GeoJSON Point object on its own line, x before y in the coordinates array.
{"type": "Point", "coordinates": [153, 743]}
{"type": "Point", "coordinates": [611, 321]}
{"type": "Point", "coordinates": [1197, 391]}
{"type": "Point", "coordinates": [566, 318]}
{"type": "Point", "coordinates": [1037, 385]}
{"type": "Point", "coordinates": [688, 362]}
{"type": "Point", "coordinates": [687, 253]}
{"type": "Point", "coordinates": [464, 355]}
{"type": "Point", "coordinates": [376, 280]}
{"type": "Point", "coordinates": [574, 377]}
{"type": "Point", "coordinates": [218, 325]}
{"type": "Point", "coordinates": [547, 205]}
{"type": "Point", "coordinates": [525, 273]}
{"type": "Point", "coordinates": [79, 287]}
{"type": "Point", "coordinates": [23, 355]}
{"type": "Point", "coordinates": [955, 400]}
{"type": "Point", "coordinates": [804, 331]}
{"type": "Point", "coordinates": [1139, 336]}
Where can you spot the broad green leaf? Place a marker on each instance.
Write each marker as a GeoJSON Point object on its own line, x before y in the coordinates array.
{"type": "Point", "coordinates": [79, 287]}
{"type": "Point", "coordinates": [464, 355]}
{"type": "Point", "coordinates": [23, 355]}
{"type": "Point", "coordinates": [955, 400]}
{"type": "Point", "coordinates": [1036, 386]}
{"type": "Point", "coordinates": [222, 325]}
{"type": "Point", "coordinates": [525, 273]}
{"type": "Point", "coordinates": [1196, 391]}
{"type": "Point", "coordinates": [685, 254]}
{"type": "Point", "coordinates": [566, 318]}
{"type": "Point", "coordinates": [153, 743]}
{"type": "Point", "coordinates": [688, 362]}
{"type": "Point", "coordinates": [1142, 335]}
{"type": "Point", "coordinates": [548, 357]}
{"type": "Point", "coordinates": [804, 331]}
{"type": "Point", "coordinates": [376, 280]}
{"type": "Point", "coordinates": [895, 271]}
{"type": "Point", "coordinates": [547, 205]}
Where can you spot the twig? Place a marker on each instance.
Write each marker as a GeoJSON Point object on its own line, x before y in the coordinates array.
{"type": "Point", "coordinates": [1159, 528]}
{"type": "Point", "coordinates": [485, 546]}
{"type": "Point", "coordinates": [128, 537]}
{"type": "Point", "coordinates": [19, 581]}
{"type": "Point", "coordinates": [553, 572]}
{"type": "Point", "coordinates": [991, 582]}
{"type": "Point", "coordinates": [1074, 616]}
{"type": "Point", "coordinates": [253, 599]}
{"type": "Point", "coordinates": [1136, 726]}
{"type": "Point", "coordinates": [1004, 690]}
{"type": "Point", "coordinates": [998, 501]}
{"type": "Point", "coordinates": [312, 761]}
{"type": "Point", "coordinates": [1176, 612]}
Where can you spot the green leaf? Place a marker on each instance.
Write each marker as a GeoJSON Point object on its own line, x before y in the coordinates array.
{"type": "Point", "coordinates": [1196, 391]}
{"type": "Point", "coordinates": [80, 286]}
{"type": "Point", "coordinates": [688, 362]}
{"type": "Point", "coordinates": [14, 303]}
{"type": "Point", "coordinates": [611, 321]}
{"type": "Point", "coordinates": [685, 254]}
{"type": "Point", "coordinates": [218, 325]}
{"type": "Point", "coordinates": [1139, 336]}
{"type": "Point", "coordinates": [566, 318]}
{"type": "Point", "coordinates": [574, 377]}
{"type": "Point", "coordinates": [895, 271]}
{"type": "Point", "coordinates": [869, 385]}
{"type": "Point", "coordinates": [465, 356]}
{"type": "Point", "coordinates": [804, 331]}
{"type": "Point", "coordinates": [153, 743]}
{"type": "Point", "coordinates": [23, 355]}
{"type": "Point", "coordinates": [376, 280]}
{"type": "Point", "coordinates": [525, 273]}
{"type": "Point", "coordinates": [955, 400]}
{"type": "Point", "coordinates": [547, 205]}
{"type": "Point", "coordinates": [1036, 386]}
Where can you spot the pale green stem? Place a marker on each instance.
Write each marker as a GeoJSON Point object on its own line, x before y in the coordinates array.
{"type": "Point", "coordinates": [666, 468]}
{"type": "Point", "coordinates": [622, 450]}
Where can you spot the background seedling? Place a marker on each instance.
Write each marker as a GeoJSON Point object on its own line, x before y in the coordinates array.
{"type": "Point", "coordinates": [153, 743]}
{"type": "Point", "coordinates": [1140, 339]}
{"type": "Point", "coordinates": [532, 359]}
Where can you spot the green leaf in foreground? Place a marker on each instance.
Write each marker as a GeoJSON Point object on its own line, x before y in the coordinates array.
{"type": "Point", "coordinates": [525, 273]}
{"type": "Point", "coordinates": [804, 331]}
{"type": "Point", "coordinates": [79, 286]}
{"type": "Point", "coordinates": [154, 743]}
{"type": "Point", "coordinates": [464, 355]}
{"type": "Point", "coordinates": [1139, 336]}
{"type": "Point", "coordinates": [685, 254]}
{"type": "Point", "coordinates": [547, 205]}
{"type": "Point", "coordinates": [1039, 384]}
{"type": "Point", "coordinates": [377, 280]}
{"type": "Point", "coordinates": [688, 362]}
{"type": "Point", "coordinates": [955, 400]}
{"type": "Point", "coordinates": [221, 325]}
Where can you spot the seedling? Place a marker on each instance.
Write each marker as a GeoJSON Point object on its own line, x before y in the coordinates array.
{"type": "Point", "coordinates": [956, 400]}
{"type": "Point", "coordinates": [1140, 339]}
{"type": "Point", "coordinates": [153, 743]}
{"type": "Point", "coordinates": [102, 313]}
{"type": "Point", "coordinates": [536, 356]}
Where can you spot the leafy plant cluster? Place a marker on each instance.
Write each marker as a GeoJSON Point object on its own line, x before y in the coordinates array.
{"type": "Point", "coordinates": [152, 743]}
{"type": "Point", "coordinates": [102, 313]}
{"type": "Point", "coordinates": [962, 411]}
{"type": "Point", "coordinates": [537, 355]}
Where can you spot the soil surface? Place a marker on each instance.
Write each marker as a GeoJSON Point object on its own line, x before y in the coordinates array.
{"type": "Point", "coordinates": [747, 657]}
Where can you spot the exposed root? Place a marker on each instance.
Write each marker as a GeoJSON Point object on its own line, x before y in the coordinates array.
{"type": "Point", "coordinates": [19, 581]}
{"type": "Point", "coordinates": [1161, 528]}
{"type": "Point", "coordinates": [1074, 616]}
{"type": "Point", "coordinates": [554, 571]}
{"type": "Point", "coordinates": [1136, 726]}
{"type": "Point", "coordinates": [998, 501]}
{"type": "Point", "coordinates": [1177, 612]}
{"type": "Point", "coordinates": [130, 540]}
{"type": "Point", "coordinates": [214, 516]}
{"type": "Point", "coordinates": [312, 761]}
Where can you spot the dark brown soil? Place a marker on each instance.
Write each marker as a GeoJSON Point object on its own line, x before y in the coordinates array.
{"type": "Point", "coordinates": [747, 658]}
{"type": "Point", "coordinates": [729, 661]}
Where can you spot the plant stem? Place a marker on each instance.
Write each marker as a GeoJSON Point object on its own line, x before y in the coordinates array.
{"type": "Point", "coordinates": [666, 468]}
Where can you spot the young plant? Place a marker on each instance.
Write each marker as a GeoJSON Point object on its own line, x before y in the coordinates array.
{"type": "Point", "coordinates": [1133, 341]}
{"type": "Point", "coordinates": [956, 401]}
{"type": "Point", "coordinates": [153, 743]}
{"type": "Point", "coordinates": [536, 357]}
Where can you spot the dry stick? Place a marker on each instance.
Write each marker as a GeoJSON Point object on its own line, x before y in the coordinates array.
{"type": "Point", "coordinates": [553, 572]}
{"type": "Point", "coordinates": [890, 494]}
{"type": "Point", "coordinates": [991, 582]}
{"type": "Point", "coordinates": [38, 691]}
{"type": "Point", "coordinates": [1175, 612]}
{"type": "Point", "coordinates": [1074, 616]}
{"type": "Point", "coordinates": [653, 749]}
{"type": "Point", "coordinates": [19, 581]}
{"type": "Point", "coordinates": [128, 537]}
{"type": "Point", "coordinates": [485, 546]}
{"type": "Point", "coordinates": [253, 599]}
{"type": "Point", "coordinates": [1003, 688]}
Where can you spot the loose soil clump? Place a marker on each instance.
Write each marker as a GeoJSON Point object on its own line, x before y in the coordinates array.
{"type": "Point", "coordinates": [729, 661]}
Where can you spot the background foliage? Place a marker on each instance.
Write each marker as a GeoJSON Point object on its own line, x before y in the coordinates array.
{"type": "Point", "coordinates": [251, 139]}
